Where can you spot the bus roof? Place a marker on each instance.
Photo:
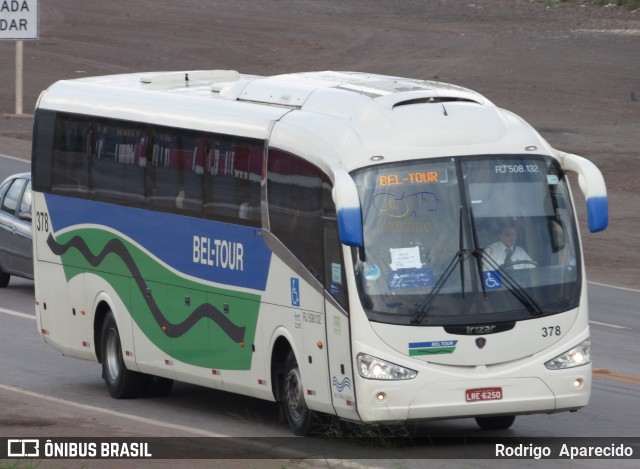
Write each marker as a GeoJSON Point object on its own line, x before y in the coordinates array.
{"type": "Point", "coordinates": [384, 114]}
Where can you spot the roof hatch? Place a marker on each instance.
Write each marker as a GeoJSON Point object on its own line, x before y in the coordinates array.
{"type": "Point", "coordinates": [177, 78]}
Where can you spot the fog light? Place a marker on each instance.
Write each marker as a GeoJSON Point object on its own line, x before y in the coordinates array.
{"type": "Point", "coordinates": [381, 397]}
{"type": "Point", "coordinates": [578, 383]}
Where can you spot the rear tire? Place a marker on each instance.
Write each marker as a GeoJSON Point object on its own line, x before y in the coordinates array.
{"type": "Point", "coordinates": [4, 279]}
{"type": "Point", "coordinates": [501, 422]}
{"type": "Point", "coordinates": [301, 420]}
{"type": "Point", "coordinates": [121, 382]}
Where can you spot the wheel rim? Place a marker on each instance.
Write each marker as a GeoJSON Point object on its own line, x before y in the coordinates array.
{"type": "Point", "coordinates": [294, 395]}
{"type": "Point", "coordinates": [112, 358]}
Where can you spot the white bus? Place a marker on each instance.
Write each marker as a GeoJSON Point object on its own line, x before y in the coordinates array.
{"type": "Point", "coordinates": [329, 241]}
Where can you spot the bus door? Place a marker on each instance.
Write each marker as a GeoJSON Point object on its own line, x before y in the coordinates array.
{"type": "Point", "coordinates": [337, 323]}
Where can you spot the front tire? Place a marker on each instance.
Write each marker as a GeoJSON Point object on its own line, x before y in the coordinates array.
{"type": "Point", "coordinates": [496, 423]}
{"type": "Point", "coordinates": [4, 279]}
{"type": "Point", "coordinates": [121, 382]}
{"type": "Point", "coordinates": [301, 420]}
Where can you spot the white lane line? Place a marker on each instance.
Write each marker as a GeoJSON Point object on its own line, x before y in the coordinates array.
{"type": "Point", "coordinates": [614, 286]}
{"type": "Point", "coordinates": [18, 314]}
{"type": "Point", "coordinates": [2, 155]}
{"type": "Point", "coordinates": [608, 325]}
{"type": "Point", "coordinates": [77, 405]}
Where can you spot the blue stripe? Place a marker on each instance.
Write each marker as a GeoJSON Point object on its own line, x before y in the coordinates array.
{"type": "Point", "coordinates": [170, 238]}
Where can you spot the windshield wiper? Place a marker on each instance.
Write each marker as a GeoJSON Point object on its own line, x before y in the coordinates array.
{"type": "Point", "coordinates": [512, 285]}
{"type": "Point", "coordinates": [457, 259]}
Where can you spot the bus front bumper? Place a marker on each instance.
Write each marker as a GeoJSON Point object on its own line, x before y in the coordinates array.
{"type": "Point", "coordinates": [390, 402]}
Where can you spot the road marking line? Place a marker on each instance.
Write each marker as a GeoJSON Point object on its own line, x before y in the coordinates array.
{"type": "Point", "coordinates": [114, 413]}
{"type": "Point", "coordinates": [625, 378]}
{"type": "Point", "coordinates": [608, 325]}
{"type": "Point", "coordinates": [18, 314]}
{"type": "Point", "coordinates": [614, 286]}
{"type": "Point", "coordinates": [16, 158]}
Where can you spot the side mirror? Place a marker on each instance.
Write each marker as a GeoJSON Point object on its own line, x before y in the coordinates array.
{"type": "Point", "coordinates": [592, 186]}
{"type": "Point", "coordinates": [348, 209]}
{"type": "Point", "coordinates": [26, 216]}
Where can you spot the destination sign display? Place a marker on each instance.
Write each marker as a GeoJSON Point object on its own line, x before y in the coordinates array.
{"type": "Point", "coordinates": [413, 177]}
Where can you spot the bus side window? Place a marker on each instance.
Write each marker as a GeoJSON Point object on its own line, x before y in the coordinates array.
{"type": "Point", "coordinates": [117, 171]}
{"type": "Point", "coordinates": [232, 178]}
{"type": "Point", "coordinates": [71, 155]}
{"type": "Point", "coordinates": [177, 172]}
{"type": "Point", "coordinates": [295, 193]}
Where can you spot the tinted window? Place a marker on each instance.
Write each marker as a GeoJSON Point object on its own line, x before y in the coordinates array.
{"type": "Point", "coordinates": [118, 160]}
{"type": "Point", "coordinates": [25, 204]}
{"type": "Point", "coordinates": [11, 198]}
{"type": "Point", "coordinates": [233, 169]}
{"type": "Point", "coordinates": [299, 196]}
{"type": "Point", "coordinates": [4, 187]}
{"type": "Point", "coordinates": [71, 155]}
{"type": "Point", "coordinates": [157, 167]}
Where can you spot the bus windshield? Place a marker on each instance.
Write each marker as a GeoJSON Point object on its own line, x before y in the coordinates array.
{"type": "Point", "coordinates": [466, 240]}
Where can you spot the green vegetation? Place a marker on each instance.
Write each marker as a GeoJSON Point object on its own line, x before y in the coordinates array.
{"type": "Point", "coordinates": [631, 4]}
{"type": "Point", "coordinates": [379, 436]}
{"type": "Point", "coordinates": [19, 465]}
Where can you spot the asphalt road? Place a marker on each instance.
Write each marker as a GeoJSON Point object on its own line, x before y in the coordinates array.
{"type": "Point", "coordinates": [46, 394]}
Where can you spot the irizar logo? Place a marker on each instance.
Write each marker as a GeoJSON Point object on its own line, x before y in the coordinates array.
{"type": "Point", "coordinates": [480, 329]}
{"type": "Point", "coordinates": [477, 330]}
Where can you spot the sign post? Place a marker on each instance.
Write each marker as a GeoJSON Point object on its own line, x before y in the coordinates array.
{"type": "Point", "coordinates": [18, 21]}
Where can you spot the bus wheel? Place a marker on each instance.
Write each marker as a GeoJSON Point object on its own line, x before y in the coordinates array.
{"type": "Point", "coordinates": [299, 416]}
{"type": "Point", "coordinates": [495, 423]}
{"type": "Point", "coordinates": [121, 383]}
{"type": "Point", "coordinates": [4, 279]}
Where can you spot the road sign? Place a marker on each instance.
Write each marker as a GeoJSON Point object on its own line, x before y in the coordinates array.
{"type": "Point", "coordinates": [18, 19]}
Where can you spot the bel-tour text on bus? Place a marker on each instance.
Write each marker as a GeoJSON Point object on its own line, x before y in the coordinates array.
{"type": "Point", "coordinates": [410, 178]}
{"type": "Point", "coordinates": [218, 253]}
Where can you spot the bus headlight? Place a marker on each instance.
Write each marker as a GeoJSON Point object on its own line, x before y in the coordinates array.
{"type": "Point", "coordinates": [577, 356]}
{"type": "Point", "coordinates": [374, 368]}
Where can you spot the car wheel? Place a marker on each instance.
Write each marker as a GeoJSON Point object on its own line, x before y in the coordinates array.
{"type": "Point", "coordinates": [4, 279]}
{"type": "Point", "coordinates": [121, 382]}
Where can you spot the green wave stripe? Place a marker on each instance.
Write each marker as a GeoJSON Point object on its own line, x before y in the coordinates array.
{"type": "Point", "coordinates": [181, 317]}
{"type": "Point", "coordinates": [431, 351]}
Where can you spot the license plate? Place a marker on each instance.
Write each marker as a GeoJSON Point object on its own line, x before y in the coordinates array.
{"type": "Point", "coordinates": [483, 394]}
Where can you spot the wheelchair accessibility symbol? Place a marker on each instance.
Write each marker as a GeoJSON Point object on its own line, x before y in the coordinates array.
{"type": "Point", "coordinates": [295, 292]}
{"type": "Point", "coordinates": [492, 280]}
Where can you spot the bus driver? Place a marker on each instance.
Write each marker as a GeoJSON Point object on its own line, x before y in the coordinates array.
{"type": "Point", "coordinates": [505, 252]}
